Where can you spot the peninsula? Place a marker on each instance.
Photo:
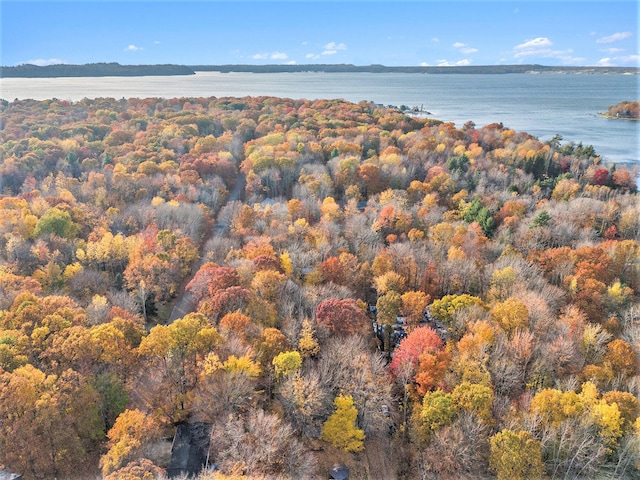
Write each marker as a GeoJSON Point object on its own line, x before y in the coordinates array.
{"type": "Point", "coordinates": [92, 70]}
{"type": "Point", "coordinates": [623, 111]}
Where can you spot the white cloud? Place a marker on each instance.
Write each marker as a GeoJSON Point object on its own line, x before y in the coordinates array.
{"type": "Point", "coordinates": [156, 42]}
{"type": "Point", "coordinates": [291, 62]}
{"type": "Point", "coordinates": [335, 46]}
{"type": "Point", "coordinates": [133, 48]}
{"type": "Point", "coordinates": [305, 43]}
{"type": "Point", "coordinates": [614, 38]}
{"type": "Point", "coordinates": [42, 62]}
{"type": "Point", "coordinates": [541, 47]}
{"type": "Point", "coordinates": [435, 39]}
{"type": "Point", "coordinates": [612, 51]}
{"type": "Point", "coordinates": [464, 48]}
{"type": "Point", "coordinates": [533, 45]}
{"type": "Point", "coordinates": [619, 61]}
{"type": "Point", "coordinates": [270, 56]}
{"type": "Point", "coordinates": [605, 62]}
{"type": "Point", "coordinates": [332, 48]}
{"type": "Point", "coordinates": [460, 63]}
{"type": "Point", "coordinates": [424, 64]}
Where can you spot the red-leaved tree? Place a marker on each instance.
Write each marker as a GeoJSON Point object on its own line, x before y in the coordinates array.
{"type": "Point", "coordinates": [342, 317]}
{"type": "Point", "coordinates": [422, 353]}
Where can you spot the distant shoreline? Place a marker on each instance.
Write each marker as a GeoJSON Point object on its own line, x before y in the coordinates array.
{"type": "Point", "coordinates": [115, 69]}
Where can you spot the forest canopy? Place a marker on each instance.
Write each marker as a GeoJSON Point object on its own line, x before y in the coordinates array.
{"type": "Point", "coordinates": [393, 293]}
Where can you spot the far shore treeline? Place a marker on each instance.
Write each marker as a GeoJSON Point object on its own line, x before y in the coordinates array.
{"type": "Point", "coordinates": [115, 69]}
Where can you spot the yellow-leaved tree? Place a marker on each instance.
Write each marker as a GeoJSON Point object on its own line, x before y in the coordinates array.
{"type": "Point", "coordinates": [307, 344]}
{"type": "Point", "coordinates": [340, 429]}
{"type": "Point", "coordinates": [286, 363]}
{"type": "Point", "coordinates": [130, 434]}
{"type": "Point", "coordinates": [516, 456]}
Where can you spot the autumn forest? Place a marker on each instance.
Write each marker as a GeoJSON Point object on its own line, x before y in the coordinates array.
{"type": "Point", "coordinates": [322, 283]}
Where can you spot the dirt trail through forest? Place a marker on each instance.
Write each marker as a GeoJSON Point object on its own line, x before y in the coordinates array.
{"type": "Point", "coordinates": [378, 459]}
{"type": "Point", "coordinates": [185, 303]}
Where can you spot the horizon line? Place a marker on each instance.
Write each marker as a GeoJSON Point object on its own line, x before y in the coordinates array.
{"type": "Point", "coordinates": [292, 65]}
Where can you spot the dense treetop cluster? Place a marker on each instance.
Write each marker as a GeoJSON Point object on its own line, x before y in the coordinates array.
{"type": "Point", "coordinates": [510, 266]}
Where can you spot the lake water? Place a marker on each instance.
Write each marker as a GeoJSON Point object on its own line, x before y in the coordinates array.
{"type": "Point", "coordinates": [543, 104]}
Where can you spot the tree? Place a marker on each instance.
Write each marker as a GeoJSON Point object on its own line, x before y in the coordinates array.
{"type": "Point", "coordinates": [474, 398]}
{"type": "Point", "coordinates": [223, 387]}
{"type": "Point", "coordinates": [140, 469]}
{"type": "Point", "coordinates": [211, 279]}
{"type": "Point", "coordinates": [627, 404]}
{"type": "Point", "coordinates": [340, 429]}
{"type": "Point", "coordinates": [332, 271]}
{"type": "Point", "coordinates": [388, 307]}
{"type": "Point", "coordinates": [132, 432]}
{"type": "Point", "coordinates": [50, 423]}
{"type": "Point", "coordinates": [390, 282]}
{"type": "Point", "coordinates": [237, 323]}
{"type": "Point", "coordinates": [555, 406]}
{"type": "Point", "coordinates": [150, 277]}
{"type": "Point", "coordinates": [414, 304]}
{"type": "Point", "coordinates": [347, 365]}
{"type": "Point", "coordinates": [580, 429]}
{"type": "Point", "coordinates": [609, 422]}
{"type": "Point", "coordinates": [476, 212]}
{"type": "Point", "coordinates": [457, 450]}
{"type": "Point", "coordinates": [436, 411]}
{"type": "Point", "coordinates": [172, 352]}
{"type": "Point", "coordinates": [622, 357]}
{"type": "Point", "coordinates": [268, 284]}
{"type": "Point", "coordinates": [511, 314]}
{"type": "Point", "coordinates": [233, 299]}
{"type": "Point", "coordinates": [56, 222]}
{"type": "Point", "coordinates": [240, 366]}
{"type": "Point", "coordinates": [421, 340]}
{"type": "Point", "coordinates": [341, 317]}
{"type": "Point", "coordinates": [305, 402]}
{"type": "Point", "coordinates": [271, 343]}
{"type": "Point", "coordinates": [287, 363]}
{"type": "Point", "coordinates": [262, 445]}
{"type": "Point", "coordinates": [444, 308]}
{"type": "Point", "coordinates": [516, 456]}
{"type": "Point", "coordinates": [307, 343]}
{"type": "Point", "coordinates": [542, 219]}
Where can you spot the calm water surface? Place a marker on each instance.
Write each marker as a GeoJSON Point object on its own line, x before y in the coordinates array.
{"type": "Point", "coordinates": [543, 105]}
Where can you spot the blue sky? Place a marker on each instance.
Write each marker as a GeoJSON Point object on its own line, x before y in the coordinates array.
{"type": "Point", "coordinates": [358, 32]}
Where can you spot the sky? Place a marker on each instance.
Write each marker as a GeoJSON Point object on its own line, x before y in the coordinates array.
{"type": "Point", "coordinates": [393, 33]}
